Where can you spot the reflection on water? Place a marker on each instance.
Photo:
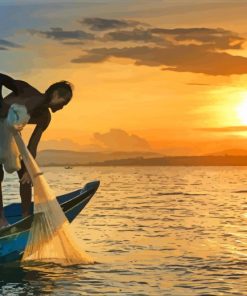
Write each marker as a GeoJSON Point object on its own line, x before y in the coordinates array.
{"type": "Point", "coordinates": [154, 231]}
{"type": "Point", "coordinates": [44, 279]}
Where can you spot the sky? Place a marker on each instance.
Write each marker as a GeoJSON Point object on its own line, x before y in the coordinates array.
{"type": "Point", "coordinates": [168, 76]}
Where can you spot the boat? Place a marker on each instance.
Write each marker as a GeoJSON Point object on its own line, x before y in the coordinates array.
{"type": "Point", "coordinates": [13, 238]}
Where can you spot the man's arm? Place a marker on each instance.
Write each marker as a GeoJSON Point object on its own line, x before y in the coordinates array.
{"type": "Point", "coordinates": [32, 147]}
{"type": "Point", "coordinates": [41, 126]}
{"type": "Point", "coordinates": [34, 140]}
{"type": "Point", "coordinates": [8, 82]}
{"type": "Point", "coordinates": [22, 93]}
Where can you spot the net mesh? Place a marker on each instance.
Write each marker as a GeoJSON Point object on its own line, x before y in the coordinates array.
{"type": "Point", "coordinates": [50, 238]}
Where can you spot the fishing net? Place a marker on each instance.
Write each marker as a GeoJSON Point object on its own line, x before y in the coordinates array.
{"type": "Point", "coordinates": [50, 237]}
{"type": "Point", "coordinates": [9, 153]}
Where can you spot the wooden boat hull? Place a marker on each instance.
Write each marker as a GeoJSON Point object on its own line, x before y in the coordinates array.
{"type": "Point", "coordinates": [13, 238]}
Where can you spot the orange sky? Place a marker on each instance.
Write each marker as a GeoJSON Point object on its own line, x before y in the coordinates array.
{"type": "Point", "coordinates": [177, 91]}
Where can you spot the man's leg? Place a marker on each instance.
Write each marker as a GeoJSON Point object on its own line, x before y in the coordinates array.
{"type": "Point", "coordinates": [3, 220]}
{"type": "Point", "coordinates": [25, 193]}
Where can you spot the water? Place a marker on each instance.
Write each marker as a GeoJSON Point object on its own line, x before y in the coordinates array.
{"type": "Point", "coordinates": [153, 230]}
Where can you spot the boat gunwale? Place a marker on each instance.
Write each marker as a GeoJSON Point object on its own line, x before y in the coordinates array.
{"type": "Point", "coordinates": [61, 204]}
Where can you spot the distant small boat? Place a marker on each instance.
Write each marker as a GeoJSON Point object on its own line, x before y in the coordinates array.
{"type": "Point", "coordinates": [13, 238]}
{"type": "Point", "coordinates": [68, 167]}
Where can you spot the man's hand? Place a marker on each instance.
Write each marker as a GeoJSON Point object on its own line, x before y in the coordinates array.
{"type": "Point", "coordinates": [18, 127]}
{"type": "Point", "coordinates": [25, 178]}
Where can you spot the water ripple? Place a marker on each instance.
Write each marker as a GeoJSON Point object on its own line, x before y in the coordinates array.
{"type": "Point", "coordinates": [154, 231]}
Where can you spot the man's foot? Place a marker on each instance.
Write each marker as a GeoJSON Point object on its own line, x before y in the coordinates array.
{"type": "Point", "coordinates": [25, 215]}
{"type": "Point", "coordinates": [3, 222]}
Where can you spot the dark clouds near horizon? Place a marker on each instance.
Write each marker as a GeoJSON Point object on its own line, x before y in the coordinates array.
{"type": "Point", "coordinates": [195, 50]}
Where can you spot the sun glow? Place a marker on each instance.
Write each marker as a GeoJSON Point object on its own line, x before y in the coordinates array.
{"type": "Point", "coordinates": [242, 110]}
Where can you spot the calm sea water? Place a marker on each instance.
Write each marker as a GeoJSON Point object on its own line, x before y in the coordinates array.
{"type": "Point", "coordinates": [153, 230]}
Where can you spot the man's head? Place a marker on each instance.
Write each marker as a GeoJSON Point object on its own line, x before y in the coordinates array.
{"type": "Point", "coordinates": [58, 95]}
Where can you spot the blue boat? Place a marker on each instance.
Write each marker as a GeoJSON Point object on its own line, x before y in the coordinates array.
{"type": "Point", "coordinates": [13, 238]}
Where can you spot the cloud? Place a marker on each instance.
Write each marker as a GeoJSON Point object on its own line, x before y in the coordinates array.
{"type": "Point", "coordinates": [61, 144]}
{"type": "Point", "coordinates": [61, 35]}
{"type": "Point", "coordinates": [68, 144]}
{"type": "Point", "coordinates": [75, 43]}
{"type": "Point", "coordinates": [215, 38]}
{"type": "Point", "coordinates": [195, 50]}
{"type": "Point", "coordinates": [114, 140]}
{"type": "Point", "coordinates": [183, 58]}
{"type": "Point", "coordinates": [5, 44]}
{"type": "Point", "coordinates": [119, 140]}
{"type": "Point", "coordinates": [102, 24]}
{"type": "Point", "coordinates": [134, 35]}
{"type": "Point", "coordinates": [224, 129]}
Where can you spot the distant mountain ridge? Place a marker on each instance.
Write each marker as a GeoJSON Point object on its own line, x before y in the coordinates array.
{"type": "Point", "coordinates": [178, 161]}
{"type": "Point", "coordinates": [230, 152]}
{"type": "Point", "coordinates": [230, 157]}
{"type": "Point", "coordinates": [69, 157]}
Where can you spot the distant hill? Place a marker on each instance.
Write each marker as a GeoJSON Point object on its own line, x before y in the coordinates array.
{"type": "Point", "coordinates": [178, 161]}
{"type": "Point", "coordinates": [233, 157]}
{"type": "Point", "coordinates": [68, 157]}
{"type": "Point", "coordinates": [229, 152]}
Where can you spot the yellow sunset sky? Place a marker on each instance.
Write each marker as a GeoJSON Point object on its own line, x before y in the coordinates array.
{"type": "Point", "coordinates": [172, 74]}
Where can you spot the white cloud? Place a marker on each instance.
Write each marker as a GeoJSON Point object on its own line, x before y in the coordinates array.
{"type": "Point", "coordinates": [119, 140]}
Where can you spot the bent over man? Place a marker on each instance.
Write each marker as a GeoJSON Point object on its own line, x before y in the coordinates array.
{"type": "Point", "coordinates": [38, 106]}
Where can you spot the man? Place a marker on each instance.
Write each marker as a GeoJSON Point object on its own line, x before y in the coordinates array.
{"type": "Point", "coordinates": [37, 105]}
